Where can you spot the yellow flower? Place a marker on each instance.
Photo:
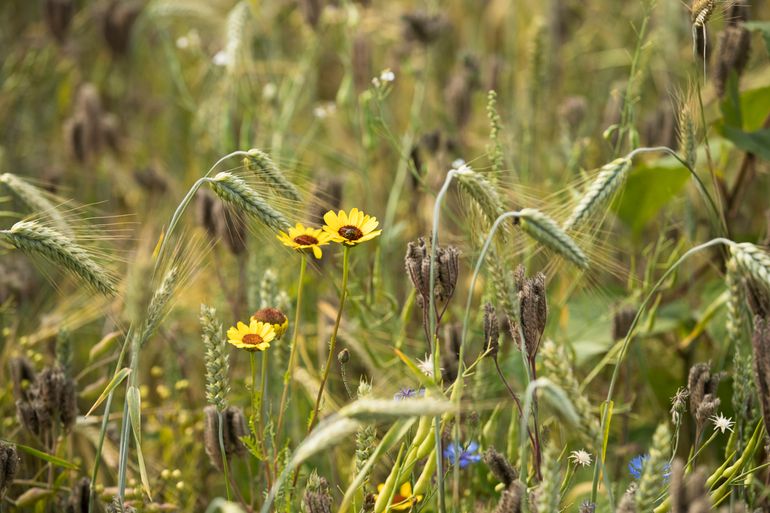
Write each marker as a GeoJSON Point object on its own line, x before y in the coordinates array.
{"type": "Point", "coordinates": [275, 318]}
{"type": "Point", "coordinates": [254, 337]}
{"type": "Point", "coordinates": [403, 499]}
{"type": "Point", "coordinates": [304, 237]}
{"type": "Point", "coordinates": [350, 229]}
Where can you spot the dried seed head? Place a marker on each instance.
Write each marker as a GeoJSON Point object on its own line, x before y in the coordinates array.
{"type": "Point", "coordinates": [151, 179]}
{"type": "Point", "coordinates": [459, 91]}
{"type": "Point", "coordinates": [233, 428]}
{"type": "Point", "coordinates": [533, 311]}
{"type": "Point", "coordinates": [621, 323]}
{"type": "Point", "coordinates": [587, 507]}
{"type": "Point", "coordinates": [9, 464]}
{"type": "Point", "coordinates": [450, 356]}
{"type": "Point", "coordinates": [22, 376]}
{"type": "Point", "coordinates": [500, 467]}
{"type": "Point", "coordinates": [733, 55]}
{"type": "Point", "coordinates": [343, 356]}
{"type": "Point", "coordinates": [79, 496]}
{"type": "Point", "coordinates": [416, 254]}
{"type": "Point", "coordinates": [491, 331]}
{"type": "Point", "coordinates": [760, 344]}
{"type": "Point", "coordinates": [572, 112]}
{"type": "Point", "coordinates": [447, 265]}
{"type": "Point", "coordinates": [117, 24]}
{"type": "Point", "coordinates": [679, 404]}
{"type": "Point", "coordinates": [688, 495]}
{"type": "Point", "coordinates": [422, 27]}
{"type": "Point", "coordinates": [511, 499]}
{"type": "Point", "coordinates": [317, 498]}
{"type": "Point", "coordinates": [628, 502]}
{"type": "Point", "coordinates": [545, 231]}
{"type": "Point", "coordinates": [703, 392]}
{"type": "Point", "coordinates": [58, 15]}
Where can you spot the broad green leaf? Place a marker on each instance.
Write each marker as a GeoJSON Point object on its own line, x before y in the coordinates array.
{"type": "Point", "coordinates": [757, 142]}
{"type": "Point", "coordinates": [50, 458]}
{"type": "Point", "coordinates": [116, 380]}
{"type": "Point", "coordinates": [648, 189]}
{"type": "Point", "coordinates": [755, 107]}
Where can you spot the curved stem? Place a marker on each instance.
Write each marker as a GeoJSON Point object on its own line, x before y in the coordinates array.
{"type": "Point", "coordinates": [287, 377]}
{"type": "Point", "coordinates": [605, 423]}
{"type": "Point", "coordinates": [225, 466]}
{"type": "Point", "coordinates": [333, 339]}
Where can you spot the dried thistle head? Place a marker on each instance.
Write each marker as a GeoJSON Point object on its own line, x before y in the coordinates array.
{"type": "Point", "coordinates": [447, 266]}
{"type": "Point", "coordinates": [703, 393]}
{"type": "Point", "coordinates": [621, 323]}
{"type": "Point", "coordinates": [118, 23]}
{"type": "Point", "coordinates": [690, 494]}
{"type": "Point", "coordinates": [22, 376]}
{"type": "Point", "coordinates": [9, 465]}
{"type": "Point", "coordinates": [450, 355]}
{"type": "Point", "coordinates": [679, 404]}
{"type": "Point", "coordinates": [233, 429]}
{"type": "Point", "coordinates": [734, 47]}
{"type": "Point", "coordinates": [533, 311]}
{"type": "Point", "coordinates": [500, 467]}
{"type": "Point", "coordinates": [79, 497]}
{"type": "Point", "coordinates": [422, 27]}
{"type": "Point", "coordinates": [511, 499]}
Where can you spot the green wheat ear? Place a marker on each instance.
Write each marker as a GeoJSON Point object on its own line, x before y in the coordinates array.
{"type": "Point", "coordinates": [35, 200]}
{"type": "Point", "coordinates": [235, 191]}
{"type": "Point", "coordinates": [545, 231]}
{"type": "Point", "coordinates": [36, 239]}
{"type": "Point", "coordinates": [264, 167]}
{"type": "Point", "coordinates": [752, 262]}
{"type": "Point", "coordinates": [609, 179]}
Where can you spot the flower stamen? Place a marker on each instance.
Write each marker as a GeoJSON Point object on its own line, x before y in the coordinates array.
{"type": "Point", "coordinates": [350, 232]}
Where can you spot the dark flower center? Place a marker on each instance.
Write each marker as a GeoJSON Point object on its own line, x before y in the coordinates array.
{"type": "Point", "coordinates": [351, 232]}
{"type": "Point", "coordinates": [270, 316]}
{"type": "Point", "coordinates": [305, 240]}
{"type": "Point", "coordinates": [252, 339]}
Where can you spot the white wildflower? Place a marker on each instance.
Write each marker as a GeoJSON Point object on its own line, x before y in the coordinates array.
{"type": "Point", "coordinates": [580, 457]}
{"type": "Point", "coordinates": [426, 365]}
{"type": "Point", "coordinates": [722, 423]}
{"type": "Point", "coordinates": [221, 58]}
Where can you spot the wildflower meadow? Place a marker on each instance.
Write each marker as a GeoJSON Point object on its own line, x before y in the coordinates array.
{"type": "Point", "coordinates": [358, 256]}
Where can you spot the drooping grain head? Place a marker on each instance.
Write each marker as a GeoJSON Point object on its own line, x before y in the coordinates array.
{"type": "Point", "coordinates": [482, 193]}
{"type": "Point", "coordinates": [753, 262]}
{"type": "Point", "coordinates": [687, 126]}
{"type": "Point", "coordinates": [701, 11]}
{"type": "Point", "coordinates": [544, 230]}
{"type": "Point", "coordinates": [37, 239]}
{"type": "Point", "coordinates": [263, 166]}
{"type": "Point", "coordinates": [244, 199]}
{"type": "Point", "coordinates": [599, 194]}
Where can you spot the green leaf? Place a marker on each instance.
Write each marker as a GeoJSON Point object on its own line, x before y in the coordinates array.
{"type": "Point", "coordinates": [135, 415]}
{"type": "Point", "coordinates": [649, 188]}
{"type": "Point", "coordinates": [757, 142]}
{"type": "Point", "coordinates": [755, 107]}
{"type": "Point", "coordinates": [763, 27]}
{"type": "Point", "coordinates": [116, 380]}
{"type": "Point", "coordinates": [50, 458]}
{"type": "Point", "coordinates": [731, 104]}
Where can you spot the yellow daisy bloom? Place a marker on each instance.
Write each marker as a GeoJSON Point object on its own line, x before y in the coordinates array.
{"type": "Point", "coordinates": [403, 499]}
{"type": "Point", "coordinates": [275, 318]}
{"type": "Point", "coordinates": [350, 228]}
{"type": "Point", "coordinates": [254, 337]}
{"type": "Point", "coordinates": [304, 237]}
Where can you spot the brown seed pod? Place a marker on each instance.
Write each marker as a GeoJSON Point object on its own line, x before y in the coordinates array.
{"type": "Point", "coordinates": [58, 15]}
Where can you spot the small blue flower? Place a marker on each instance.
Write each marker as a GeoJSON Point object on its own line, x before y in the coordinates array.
{"type": "Point", "coordinates": [408, 393]}
{"type": "Point", "coordinates": [455, 452]}
{"type": "Point", "coordinates": [636, 465]}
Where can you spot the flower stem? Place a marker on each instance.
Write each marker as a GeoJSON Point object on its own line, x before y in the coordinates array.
{"type": "Point", "coordinates": [225, 466]}
{"type": "Point", "coordinates": [333, 339]}
{"type": "Point", "coordinates": [287, 377]}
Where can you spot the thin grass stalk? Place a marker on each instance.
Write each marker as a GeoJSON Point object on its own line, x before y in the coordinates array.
{"type": "Point", "coordinates": [186, 201]}
{"type": "Point", "coordinates": [333, 339]}
{"type": "Point", "coordinates": [225, 465]}
{"type": "Point", "coordinates": [432, 328]}
{"type": "Point", "coordinates": [605, 421]}
{"type": "Point", "coordinates": [287, 377]}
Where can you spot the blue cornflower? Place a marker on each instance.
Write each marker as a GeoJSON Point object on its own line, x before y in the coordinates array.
{"type": "Point", "coordinates": [408, 393]}
{"type": "Point", "coordinates": [636, 466]}
{"type": "Point", "coordinates": [455, 452]}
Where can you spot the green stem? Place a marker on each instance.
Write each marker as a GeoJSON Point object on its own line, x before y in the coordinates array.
{"type": "Point", "coordinates": [605, 424]}
{"type": "Point", "coordinates": [225, 466]}
{"type": "Point", "coordinates": [287, 377]}
{"type": "Point", "coordinates": [333, 339]}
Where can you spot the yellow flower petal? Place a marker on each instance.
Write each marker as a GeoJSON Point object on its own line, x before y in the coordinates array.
{"type": "Point", "coordinates": [317, 252]}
